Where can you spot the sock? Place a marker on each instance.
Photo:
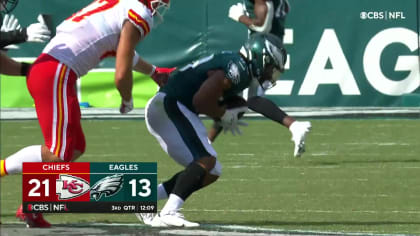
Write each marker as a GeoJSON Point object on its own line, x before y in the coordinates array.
{"type": "Point", "coordinates": [3, 171]}
{"type": "Point", "coordinates": [13, 164]}
{"type": "Point", "coordinates": [189, 181]}
{"type": "Point", "coordinates": [167, 186]}
{"type": "Point", "coordinates": [161, 192]}
{"type": "Point", "coordinates": [173, 204]}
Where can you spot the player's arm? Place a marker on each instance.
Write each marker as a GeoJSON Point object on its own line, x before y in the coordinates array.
{"type": "Point", "coordinates": [143, 66]}
{"type": "Point", "coordinates": [260, 11]}
{"type": "Point", "coordinates": [267, 108]}
{"type": "Point", "coordinates": [159, 74]}
{"type": "Point", "coordinates": [205, 100]}
{"type": "Point", "coordinates": [12, 37]}
{"type": "Point", "coordinates": [12, 33]}
{"type": "Point", "coordinates": [8, 66]}
{"type": "Point", "coordinates": [129, 38]}
{"type": "Point", "coordinates": [263, 11]}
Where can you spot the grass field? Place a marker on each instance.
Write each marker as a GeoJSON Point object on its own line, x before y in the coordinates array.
{"type": "Point", "coordinates": [358, 176]}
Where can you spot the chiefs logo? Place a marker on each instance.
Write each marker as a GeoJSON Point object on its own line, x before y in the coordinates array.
{"type": "Point", "coordinates": [68, 187]}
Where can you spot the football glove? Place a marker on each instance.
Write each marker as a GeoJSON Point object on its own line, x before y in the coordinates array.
{"type": "Point", "coordinates": [165, 70]}
{"type": "Point", "coordinates": [10, 23]}
{"type": "Point", "coordinates": [38, 32]}
{"type": "Point", "coordinates": [299, 130]}
{"type": "Point", "coordinates": [230, 120]}
{"type": "Point", "coordinates": [126, 106]}
{"type": "Point", "coordinates": [161, 75]}
{"type": "Point", "coordinates": [236, 11]}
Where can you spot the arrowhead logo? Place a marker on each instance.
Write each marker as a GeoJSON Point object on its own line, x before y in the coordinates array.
{"type": "Point", "coordinates": [68, 187]}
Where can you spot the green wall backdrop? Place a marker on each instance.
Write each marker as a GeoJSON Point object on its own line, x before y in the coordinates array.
{"type": "Point", "coordinates": [342, 53]}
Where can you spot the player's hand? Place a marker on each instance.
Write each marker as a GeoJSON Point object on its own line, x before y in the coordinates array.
{"type": "Point", "coordinates": [126, 106]}
{"type": "Point", "coordinates": [230, 120]}
{"type": "Point", "coordinates": [161, 75]}
{"type": "Point", "coordinates": [10, 23]}
{"type": "Point", "coordinates": [236, 11]}
{"type": "Point", "coordinates": [38, 32]}
{"type": "Point", "coordinates": [165, 69]}
{"type": "Point", "coordinates": [299, 130]}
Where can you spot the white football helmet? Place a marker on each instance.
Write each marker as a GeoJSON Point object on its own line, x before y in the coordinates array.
{"type": "Point", "coordinates": [158, 8]}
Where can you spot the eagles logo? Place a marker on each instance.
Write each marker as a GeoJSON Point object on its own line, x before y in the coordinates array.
{"type": "Point", "coordinates": [107, 186]}
{"type": "Point", "coordinates": [233, 72]}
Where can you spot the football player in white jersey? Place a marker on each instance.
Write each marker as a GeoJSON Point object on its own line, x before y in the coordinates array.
{"type": "Point", "coordinates": [103, 28]}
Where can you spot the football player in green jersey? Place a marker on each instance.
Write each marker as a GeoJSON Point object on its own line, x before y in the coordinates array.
{"type": "Point", "coordinates": [262, 16]}
{"type": "Point", "coordinates": [172, 116]}
{"type": "Point", "coordinates": [267, 16]}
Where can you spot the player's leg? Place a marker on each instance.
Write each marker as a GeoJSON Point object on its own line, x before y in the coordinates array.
{"type": "Point", "coordinates": [51, 84]}
{"type": "Point", "coordinates": [79, 136]}
{"type": "Point", "coordinates": [183, 136]}
{"type": "Point", "coordinates": [80, 143]}
{"type": "Point", "coordinates": [57, 107]}
{"type": "Point", "coordinates": [36, 153]}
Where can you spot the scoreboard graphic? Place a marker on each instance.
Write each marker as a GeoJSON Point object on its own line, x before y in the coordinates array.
{"type": "Point", "coordinates": [82, 187]}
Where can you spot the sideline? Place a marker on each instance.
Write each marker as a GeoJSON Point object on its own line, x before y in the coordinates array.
{"type": "Point", "coordinates": [140, 229]}
{"type": "Point", "coordinates": [298, 112]}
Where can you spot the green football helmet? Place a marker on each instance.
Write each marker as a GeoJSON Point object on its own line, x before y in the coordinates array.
{"type": "Point", "coordinates": [266, 58]}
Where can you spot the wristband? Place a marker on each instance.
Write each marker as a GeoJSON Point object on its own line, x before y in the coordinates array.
{"type": "Point", "coordinates": [24, 68]}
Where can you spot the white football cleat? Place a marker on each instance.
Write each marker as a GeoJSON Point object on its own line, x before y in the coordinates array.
{"type": "Point", "coordinates": [177, 219]}
{"type": "Point", "coordinates": [147, 218]}
{"type": "Point", "coordinates": [157, 222]}
{"type": "Point", "coordinates": [299, 131]}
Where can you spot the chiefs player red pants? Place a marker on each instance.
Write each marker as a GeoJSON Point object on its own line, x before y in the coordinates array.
{"type": "Point", "coordinates": [53, 88]}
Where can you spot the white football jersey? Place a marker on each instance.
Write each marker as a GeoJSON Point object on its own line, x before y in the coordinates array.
{"type": "Point", "coordinates": [93, 33]}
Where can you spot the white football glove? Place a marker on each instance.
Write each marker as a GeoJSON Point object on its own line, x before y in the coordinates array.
{"type": "Point", "coordinates": [230, 120]}
{"type": "Point", "coordinates": [299, 130]}
{"type": "Point", "coordinates": [126, 106]}
{"type": "Point", "coordinates": [236, 11]}
{"type": "Point", "coordinates": [38, 32]}
{"type": "Point", "coordinates": [10, 23]}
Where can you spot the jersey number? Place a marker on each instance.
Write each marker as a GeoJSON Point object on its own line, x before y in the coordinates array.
{"type": "Point", "coordinates": [197, 63]}
{"type": "Point", "coordinates": [94, 7]}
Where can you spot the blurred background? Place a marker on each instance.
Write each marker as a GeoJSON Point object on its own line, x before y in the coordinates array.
{"type": "Point", "coordinates": [348, 54]}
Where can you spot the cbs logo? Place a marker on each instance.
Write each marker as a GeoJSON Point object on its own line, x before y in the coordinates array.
{"type": "Point", "coordinates": [372, 15]}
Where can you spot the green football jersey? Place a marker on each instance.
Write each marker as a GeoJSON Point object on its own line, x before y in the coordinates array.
{"type": "Point", "coordinates": [187, 80]}
{"type": "Point", "coordinates": [281, 8]}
